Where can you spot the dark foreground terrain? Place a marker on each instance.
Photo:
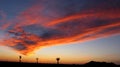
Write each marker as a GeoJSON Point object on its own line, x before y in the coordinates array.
{"type": "Point", "coordinates": [89, 64]}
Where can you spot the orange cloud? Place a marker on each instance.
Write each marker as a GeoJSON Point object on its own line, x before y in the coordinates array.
{"type": "Point", "coordinates": [112, 14]}
{"type": "Point", "coordinates": [64, 40]}
{"type": "Point", "coordinates": [78, 27]}
{"type": "Point", "coordinates": [5, 26]}
{"type": "Point", "coordinates": [30, 16]}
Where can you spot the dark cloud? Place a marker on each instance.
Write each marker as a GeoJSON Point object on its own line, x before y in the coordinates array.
{"type": "Point", "coordinates": [19, 46]}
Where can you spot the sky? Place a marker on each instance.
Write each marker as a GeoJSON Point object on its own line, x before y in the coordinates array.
{"type": "Point", "coordinates": [76, 31]}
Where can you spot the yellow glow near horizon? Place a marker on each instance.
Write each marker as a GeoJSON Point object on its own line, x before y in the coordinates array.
{"type": "Point", "coordinates": [44, 55]}
{"type": "Point", "coordinates": [49, 55]}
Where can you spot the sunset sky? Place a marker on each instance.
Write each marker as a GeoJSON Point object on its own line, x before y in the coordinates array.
{"type": "Point", "coordinates": [77, 31]}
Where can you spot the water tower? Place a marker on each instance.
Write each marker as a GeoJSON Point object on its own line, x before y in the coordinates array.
{"type": "Point", "coordinates": [37, 60]}
{"type": "Point", "coordinates": [20, 57]}
{"type": "Point", "coordinates": [57, 59]}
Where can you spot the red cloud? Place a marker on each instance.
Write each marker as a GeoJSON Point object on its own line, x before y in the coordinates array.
{"type": "Point", "coordinates": [78, 27]}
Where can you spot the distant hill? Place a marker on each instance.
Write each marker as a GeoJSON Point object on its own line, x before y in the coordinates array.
{"type": "Point", "coordinates": [89, 64]}
{"type": "Point", "coordinates": [100, 64]}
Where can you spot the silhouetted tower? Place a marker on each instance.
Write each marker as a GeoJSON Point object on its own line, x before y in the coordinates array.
{"type": "Point", "coordinates": [20, 57]}
{"type": "Point", "coordinates": [57, 60]}
{"type": "Point", "coordinates": [37, 60]}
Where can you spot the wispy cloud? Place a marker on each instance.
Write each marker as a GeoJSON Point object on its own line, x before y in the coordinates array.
{"type": "Point", "coordinates": [33, 29]}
